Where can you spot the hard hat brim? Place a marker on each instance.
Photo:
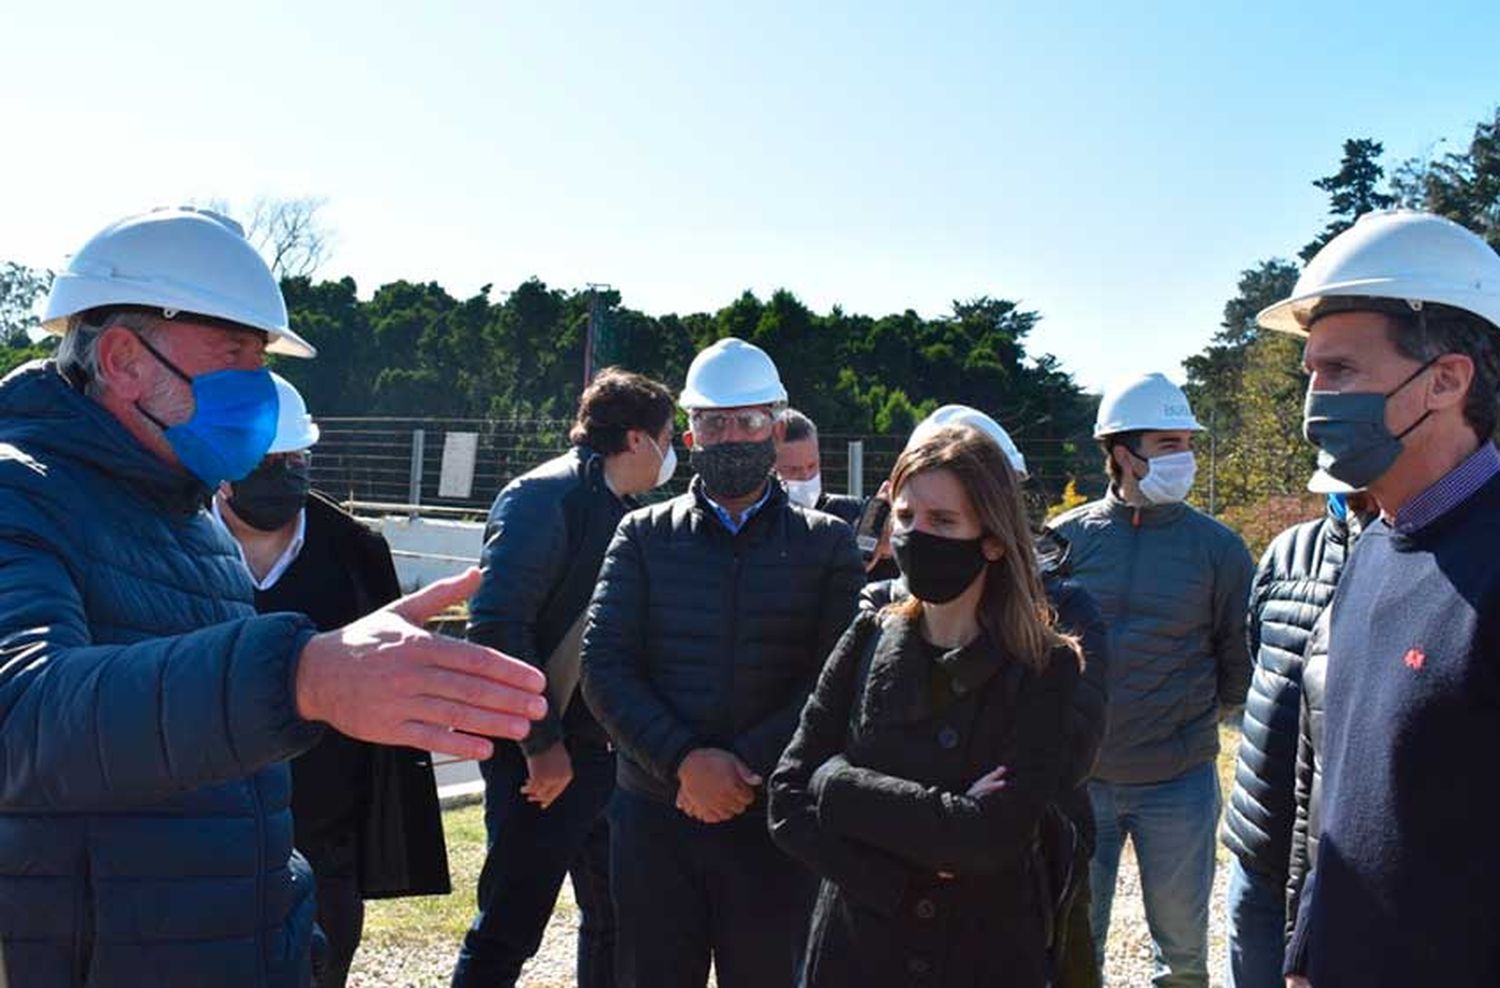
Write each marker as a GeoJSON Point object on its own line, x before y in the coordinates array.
{"type": "Point", "coordinates": [1290, 314]}
{"type": "Point", "coordinates": [691, 399]}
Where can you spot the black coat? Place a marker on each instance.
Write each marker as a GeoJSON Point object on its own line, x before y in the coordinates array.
{"type": "Point", "coordinates": [343, 572]}
{"type": "Point", "coordinates": [1293, 585]}
{"type": "Point", "coordinates": [870, 795]}
{"type": "Point", "coordinates": [1076, 615]}
{"type": "Point", "coordinates": [702, 638]}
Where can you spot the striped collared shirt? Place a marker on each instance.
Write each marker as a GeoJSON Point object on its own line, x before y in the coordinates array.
{"type": "Point", "coordinates": [1456, 486]}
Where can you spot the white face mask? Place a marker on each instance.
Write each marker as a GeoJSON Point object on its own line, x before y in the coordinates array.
{"type": "Point", "coordinates": [668, 462]}
{"type": "Point", "coordinates": [805, 492]}
{"type": "Point", "coordinates": [1169, 478]}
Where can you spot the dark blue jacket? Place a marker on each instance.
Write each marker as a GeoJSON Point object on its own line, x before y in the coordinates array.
{"type": "Point", "coordinates": [543, 545]}
{"type": "Point", "coordinates": [145, 715]}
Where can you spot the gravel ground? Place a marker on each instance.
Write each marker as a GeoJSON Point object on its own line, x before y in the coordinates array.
{"type": "Point", "coordinates": [1128, 962]}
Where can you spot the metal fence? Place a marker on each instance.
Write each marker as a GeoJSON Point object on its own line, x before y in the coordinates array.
{"type": "Point", "coordinates": [400, 462]}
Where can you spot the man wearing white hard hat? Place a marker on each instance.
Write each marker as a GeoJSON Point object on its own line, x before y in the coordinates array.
{"type": "Point", "coordinates": [146, 710]}
{"type": "Point", "coordinates": [365, 816]}
{"type": "Point", "coordinates": [1400, 313]}
{"type": "Point", "coordinates": [1172, 584]}
{"type": "Point", "coordinates": [713, 616]}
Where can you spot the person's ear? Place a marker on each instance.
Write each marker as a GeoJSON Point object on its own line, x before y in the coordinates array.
{"type": "Point", "coordinates": [778, 431]}
{"type": "Point", "coordinates": [1452, 374]}
{"type": "Point", "coordinates": [122, 363]}
{"type": "Point", "coordinates": [687, 438]}
{"type": "Point", "coordinates": [993, 548]}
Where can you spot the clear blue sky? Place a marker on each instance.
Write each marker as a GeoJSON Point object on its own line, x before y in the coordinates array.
{"type": "Point", "coordinates": [1112, 165]}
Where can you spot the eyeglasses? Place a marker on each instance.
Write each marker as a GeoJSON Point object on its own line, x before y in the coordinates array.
{"type": "Point", "coordinates": [712, 425]}
{"type": "Point", "coordinates": [295, 457]}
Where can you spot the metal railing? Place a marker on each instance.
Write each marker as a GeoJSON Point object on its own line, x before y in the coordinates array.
{"type": "Point", "coordinates": [396, 466]}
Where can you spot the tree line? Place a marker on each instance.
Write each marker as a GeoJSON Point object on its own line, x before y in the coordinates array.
{"type": "Point", "coordinates": [413, 350]}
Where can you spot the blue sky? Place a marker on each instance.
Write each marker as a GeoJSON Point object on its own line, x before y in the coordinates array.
{"type": "Point", "coordinates": [1111, 165]}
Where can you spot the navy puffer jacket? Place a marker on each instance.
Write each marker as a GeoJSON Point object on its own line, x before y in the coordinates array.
{"type": "Point", "coordinates": [1293, 585]}
{"type": "Point", "coordinates": [145, 713]}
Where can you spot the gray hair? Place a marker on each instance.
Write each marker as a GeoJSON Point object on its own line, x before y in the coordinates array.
{"type": "Point", "coordinates": [1439, 329]}
{"type": "Point", "coordinates": [798, 426]}
{"type": "Point", "coordinates": [78, 353]}
{"type": "Point", "coordinates": [1430, 330]}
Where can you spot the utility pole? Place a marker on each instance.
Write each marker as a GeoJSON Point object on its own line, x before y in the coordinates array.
{"type": "Point", "coordinates": [1213, 461]}
{"type": "Point", "coordinates": [591, 340]}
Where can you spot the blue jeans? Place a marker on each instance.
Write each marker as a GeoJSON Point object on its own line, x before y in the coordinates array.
{"type": "Point", "coordinates": [1257, 929]}
{"type": "Point", "coordinates": [1172, 825]}
{"type": "Point", "coordinates": [530, 852]}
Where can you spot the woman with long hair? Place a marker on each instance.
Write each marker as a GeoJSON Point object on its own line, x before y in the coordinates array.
{"type": "Point", "coordinates": [933, 745]}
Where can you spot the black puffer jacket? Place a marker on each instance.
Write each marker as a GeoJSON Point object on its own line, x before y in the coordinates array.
{"type": "Point", "coordinates": [702, 638]}
{"type": "Point", "coordinates": [543, 543]}
{"type": "Point", "coordinates": [1309, 771]}
{"type": "Point", "coordinates": [1292, 587]}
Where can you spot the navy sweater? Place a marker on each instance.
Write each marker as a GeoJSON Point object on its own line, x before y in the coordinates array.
{"type": "Point", "coordinates": [1408, 866]}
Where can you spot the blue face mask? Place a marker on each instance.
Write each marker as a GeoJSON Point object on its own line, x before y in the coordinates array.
{"type": "Point", "coordinates": [233, 421]}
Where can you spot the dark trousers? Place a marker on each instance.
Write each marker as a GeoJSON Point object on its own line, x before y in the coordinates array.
{"type": "Point", "coordinates": [686, 892]}
{"type": "Point", "coordinates": [530, 851]}
{"type": "Point", "coordinates": [1073, 956]}
{"type": "Point", "coordinates": [341, 911]}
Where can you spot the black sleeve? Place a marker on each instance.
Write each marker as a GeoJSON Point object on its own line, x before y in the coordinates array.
{"type": "Point", "coordinates": [874, 878]}
{"type": "Point", "coordinates": [1298, 866]}
{"type": "Point", "coordinates": [1078, 615]}
{"type": "Point", "coordinates": [944, 831]}
{"type": "Point", "coordinates": [525, 551]}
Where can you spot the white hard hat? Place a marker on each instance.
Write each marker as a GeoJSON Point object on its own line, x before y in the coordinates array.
{"type": "Point", "coordinates": [295, 429]}
{"type": "Point", "coordinates": [729, 374]}
{"type": "Point", "coordinates": [1149, 402]}
{"type": "Point", "coordinates": [180, 259]}
{"type": "Point", "coordinates": [1401, 254]}
{"type": "Point", "coordinates": [965, 415]}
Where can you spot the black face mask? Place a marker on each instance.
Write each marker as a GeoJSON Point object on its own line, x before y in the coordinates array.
{"type": "Point", "coordinates": [734, 469]}
{"type": "Point", "coordinates": [272, 494]}
{"type": "Point", "coordinates": [937, 569]}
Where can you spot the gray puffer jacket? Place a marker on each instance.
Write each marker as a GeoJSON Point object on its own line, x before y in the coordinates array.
{"type": "Point", "coordinates": [1172, 584]}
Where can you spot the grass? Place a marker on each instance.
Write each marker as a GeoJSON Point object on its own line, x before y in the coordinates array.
{"type": "Point", "coordinates": [440, 919]}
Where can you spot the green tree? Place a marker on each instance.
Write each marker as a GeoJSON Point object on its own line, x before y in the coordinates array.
{"type": "Point", "coordinates": [21, 288]}
{"type": "Point", "coordinates": [1461, 185]}
{"type": "Point", "coordinates": [1352, 190]}
{"type": "Point", "coordinates": [1214, 376]}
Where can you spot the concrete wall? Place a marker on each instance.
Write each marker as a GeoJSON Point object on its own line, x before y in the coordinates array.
{"type": "Point", "coordinates": [427, 549]}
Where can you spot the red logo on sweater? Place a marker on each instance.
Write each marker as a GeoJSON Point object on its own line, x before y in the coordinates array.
{"type": "Point", "coordinates": [1414, 659]}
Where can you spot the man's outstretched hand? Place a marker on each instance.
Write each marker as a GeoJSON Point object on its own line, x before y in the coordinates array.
{"type": "Point", "coordinates": [385, 678]}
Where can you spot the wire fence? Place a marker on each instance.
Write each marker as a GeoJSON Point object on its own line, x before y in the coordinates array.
{"type": "Point", "coordinates": [456, 466]}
